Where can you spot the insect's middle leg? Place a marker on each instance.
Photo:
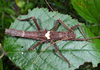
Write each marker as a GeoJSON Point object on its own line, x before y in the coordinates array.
{"type": "Point", "coordinates": [32, 48]}
{"type": "Point", "coordinates": [54, 29]}
{"type": "Point", "coordinates": [34, 19]}
{"type": "Point", "coordinates": [60, 54]}
{"type": "Point", "coordinates": [65, 25]}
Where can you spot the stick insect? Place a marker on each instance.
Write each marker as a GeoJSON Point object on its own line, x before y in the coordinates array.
{"type": "Point", "coordinates": [49, 36]}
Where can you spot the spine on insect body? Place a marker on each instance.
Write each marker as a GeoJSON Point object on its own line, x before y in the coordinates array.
{"type": "Point", "coordinates": [20, 33]}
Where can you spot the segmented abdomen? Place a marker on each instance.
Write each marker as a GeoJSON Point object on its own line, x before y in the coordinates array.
{"type": "Point", "coordinates": [19, 33]}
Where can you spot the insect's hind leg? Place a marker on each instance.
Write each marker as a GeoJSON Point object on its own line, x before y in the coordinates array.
{"type": "Point", "coordinates": [61, 54]}
{"type": "Point", "coordinates": [34, 19]}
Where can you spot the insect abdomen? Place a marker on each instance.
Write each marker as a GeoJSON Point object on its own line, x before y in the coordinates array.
{"type": "Point", "coordinates": [19, 33]}
{"type": "Point", "coordinates": [32, 34]}
{"type": "Point", "coordinates": [14, 32]}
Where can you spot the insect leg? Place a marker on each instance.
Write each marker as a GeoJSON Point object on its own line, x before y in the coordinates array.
{"type": "Point", "coordinates": [73, 27]}
{"type": "Point", "coordinates": [65, 25]}
{"type": "Point", "coordinates": [84, 39]}
{"type": "Point", "coordinates": [32, 48]}
{"type": "Point", "coordinates": [34, 19]}
{"type": "Point", "coordinates": [54, 29]}
{"type": "Point", "coordinates": [24, 19]}
{"type": "Point", "coordinates": [61, 54]}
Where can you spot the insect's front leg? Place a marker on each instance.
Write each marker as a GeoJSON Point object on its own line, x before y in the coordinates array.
{"type": "Point", "coordinates": [74, 27]}
{"type": "Point", "coordinates": [34, 19]}
{"type": "Point", "coordinates": [82, 39]}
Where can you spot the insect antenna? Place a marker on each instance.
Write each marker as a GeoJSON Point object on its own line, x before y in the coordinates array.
{"type": "Point", "coordinates": [58, 17]}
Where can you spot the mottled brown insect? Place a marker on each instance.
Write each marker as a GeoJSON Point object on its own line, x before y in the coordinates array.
{"type": "Point", "coordinates": [48, 36]}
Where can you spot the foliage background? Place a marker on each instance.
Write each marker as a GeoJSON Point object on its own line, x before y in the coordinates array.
{"type": "Point", "coordinates": [10, 9]}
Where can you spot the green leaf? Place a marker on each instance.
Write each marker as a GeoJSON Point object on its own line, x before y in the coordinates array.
{"type": "Point", "coordinates": [95, 29]}
{"type": "Point", "coordinates": [88, 9]}
{"type": "Point", "coordinates": [29, 6]}
{"type": "Point", "coordinates": [10, 11]}
{"type": "Point", "coordinates": [77, 52]}
{"type": "Point", "coordinates": [20, 3]}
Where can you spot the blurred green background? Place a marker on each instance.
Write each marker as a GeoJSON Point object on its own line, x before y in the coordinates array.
{"type": "Point", "coordinates": [11, 9]}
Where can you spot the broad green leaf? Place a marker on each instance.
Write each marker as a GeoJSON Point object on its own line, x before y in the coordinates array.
{"type": "Point", "coordinates": [77, 52]}
{"type": "Point", "coordinates": [10, 11]}
{"type": "Point", "coordinates": [88, 9]}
